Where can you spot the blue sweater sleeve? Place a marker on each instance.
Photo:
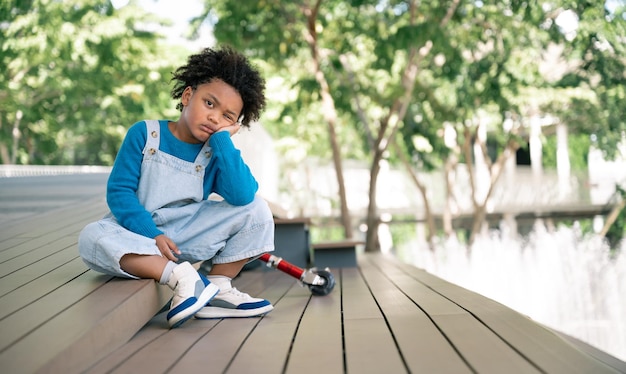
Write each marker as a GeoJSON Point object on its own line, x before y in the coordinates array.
{"type": "Point", "coordinates": [124, 181]}
{"type": "Point", "coordinates": [231, 177]}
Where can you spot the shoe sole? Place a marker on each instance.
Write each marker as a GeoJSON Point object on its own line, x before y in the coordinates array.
{"type": "Point", "coordinates": [207, 295]}
{"type": "Point", "coordinates": [212, 312]}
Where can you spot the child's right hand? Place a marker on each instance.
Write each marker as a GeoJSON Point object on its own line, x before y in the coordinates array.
{"type": "Point", "coordinates": [167, 246]}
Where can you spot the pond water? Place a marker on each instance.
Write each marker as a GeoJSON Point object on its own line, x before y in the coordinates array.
{"type": "Point", "coordinates": [572, 283]}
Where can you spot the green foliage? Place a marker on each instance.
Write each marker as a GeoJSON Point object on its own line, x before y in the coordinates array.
{"type": "Point", "coordinates": [77, 74]}
{"type": "Point", "coordinates": [596, 54]}
{"type": "Point", "coordinates": [248, 25]}
{"type": "Point", "coordinates": [493, 63]}
{"type": "Point", "coordinates": [578, 146]}
{"type": "Point", "coordinates": [326, 233]}
{"type": "Point", "coordinates": [617, 231]}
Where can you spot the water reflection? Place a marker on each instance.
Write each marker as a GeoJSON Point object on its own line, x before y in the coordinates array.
{"type": "Point", "coordinates": [567, 281]}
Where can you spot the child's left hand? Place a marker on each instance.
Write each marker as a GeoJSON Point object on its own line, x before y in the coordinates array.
{"type": "Point", "coordinates": [167, 246]}
{"type": "Point", "coordinates": [232, 129]}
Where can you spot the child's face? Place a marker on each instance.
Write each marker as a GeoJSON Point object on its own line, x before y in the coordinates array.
{"type": "Point", "coordinates": [211, 107]}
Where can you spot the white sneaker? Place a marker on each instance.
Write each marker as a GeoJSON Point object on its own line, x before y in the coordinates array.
{"type": "Point", "coordinates": [231, 302]}
{"type": "Point", "coordinates": [191, 292]}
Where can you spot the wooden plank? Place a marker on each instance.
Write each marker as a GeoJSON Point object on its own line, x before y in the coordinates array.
{"type": "Point", "coordinates": [81, 212]}
{"type": "Point", "coordinates": [382, 317]}
{"type": "Point", "coordinates": [41, 233]}
{"type": "Point", "coordinates": [41, 286]}
{"type": "Point", "coordinates": [6, 242]}
{"type": "Point", "coordinates": [483, 350]}
{"type": "Point", "coordinates": [36, 232]}
{"type": "Point", "coordinates": [606, 358]}
{"type": "Point", "coordinates": [81, 334]}
{"type": "Point", "coordinates": [318, 344]}
{"type": "Point", "coordinates": [26, 198]}
{"type": "Point", "coordinates": [29, 257]}
{"type": "Point", "coordinates": [540, 346]}
{"type": "Point", "coordinates": [42, 245]}
{"type": "Point", "coordinates": [423, 346]}
{"type": "Point", "coordinates": [197, 343]}
{"type": "Point", "coordinates": [369, 345]}
{"type": "Point", "coordinates": [266, 348]}
{"type": "Point", "coordinates": [34, 271]}
{"type": "Point", "coordinates": [78, 217]}
{"type": "Point", "coordinates": [153, 330]}
{"type": "Point", "coordinates": [19, 321]}
{"type": "Point", "coordinates": [160, 354]}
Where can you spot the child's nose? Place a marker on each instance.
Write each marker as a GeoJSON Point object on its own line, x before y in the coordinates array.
{"type": "Point", "coordinates": [213, 117]}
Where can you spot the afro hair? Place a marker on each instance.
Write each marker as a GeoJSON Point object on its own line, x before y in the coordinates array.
{"type": "Point", "coordinates": [229, 66]}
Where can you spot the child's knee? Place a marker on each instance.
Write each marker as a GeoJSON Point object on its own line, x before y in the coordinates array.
{"type": "Point", "coordinates": [261, 209]}
{"type": "Point", "coordinates": [87, 237]}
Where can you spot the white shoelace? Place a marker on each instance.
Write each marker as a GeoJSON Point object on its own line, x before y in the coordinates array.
{"type": "Point", "coordinates": [235, 292]}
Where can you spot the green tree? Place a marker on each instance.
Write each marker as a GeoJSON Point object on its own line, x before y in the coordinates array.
{"type": "Point", "coordinates": [401, 74]}
{"type": "Point", "coordinates": [76, 75]}
{"type": "Point", "coordinates": [296, 37]}
{"type": "Point", "coordinates": [590, 92]}
{"type": "Point", "coordinates": [593, 87]}
{"type": "Point", "coordinates": [338, 40]}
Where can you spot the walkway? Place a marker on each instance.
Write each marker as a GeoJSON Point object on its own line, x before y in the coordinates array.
{"type": "Point", "coordinates": [382, 317]}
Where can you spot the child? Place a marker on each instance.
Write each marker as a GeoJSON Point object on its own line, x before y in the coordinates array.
{"type": "Point", "coordinates": [161, 220]}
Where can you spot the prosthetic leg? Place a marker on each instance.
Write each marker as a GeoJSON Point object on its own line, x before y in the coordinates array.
{"type": "Point", "coordinates": [320, 282]}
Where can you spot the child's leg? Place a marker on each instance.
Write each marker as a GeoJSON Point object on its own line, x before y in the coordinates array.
{"type": "Point", "coordinates": [229, 270]}
{"type": "Point", "coordinates": [229, 236]}
{"type": "Point", "coordinates": [144, 266]}
{"type": "Point", "coordinates": [192, 291]}
{"type": "Point", "coordinates": [104, 246]}
{"type": "Point", "coordinates": [230, 302]}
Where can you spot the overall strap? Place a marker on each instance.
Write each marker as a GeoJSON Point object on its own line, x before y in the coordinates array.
{"type": "Point", "coordinates": [204, 155]}
{"type": "Point", "coordinates": [152, 138]}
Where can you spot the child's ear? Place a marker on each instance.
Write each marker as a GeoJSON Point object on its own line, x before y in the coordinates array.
{"type": "Point", "coordinates": [187, 93]}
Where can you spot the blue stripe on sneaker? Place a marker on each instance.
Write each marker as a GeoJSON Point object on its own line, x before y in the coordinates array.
{"type": "Point", "coordinates": [190, 306]}
{"type": "Point", "coordinates": [204, 280]}
{"type": "Point", "coordinates": [256, 305]}
{"type": "Point", "coordinates": [180, 307]}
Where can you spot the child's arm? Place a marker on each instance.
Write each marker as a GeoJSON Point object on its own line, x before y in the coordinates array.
{"type": "Point", "coordinates": [232, 177]}
{"type": "Point", "coordinates": [124, 181]}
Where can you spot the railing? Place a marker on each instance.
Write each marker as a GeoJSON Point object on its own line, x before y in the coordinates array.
{"type": "Point", "coordinates": [34, 170]}
{"type": "Point", "coordinates": [517, 191]}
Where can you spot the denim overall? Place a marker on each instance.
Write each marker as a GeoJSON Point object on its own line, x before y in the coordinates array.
{"type": "Point", "coordinates": [172, 190]}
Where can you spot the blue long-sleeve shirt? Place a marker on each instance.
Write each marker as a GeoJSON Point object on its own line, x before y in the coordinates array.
{"type": "Point", "coordinates": [226, 174]}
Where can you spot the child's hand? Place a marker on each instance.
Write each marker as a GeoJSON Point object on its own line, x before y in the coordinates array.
{"type": "Point", "coordinates": [167, 246]}
{"type": "Point", "coordinates": [232, 129]}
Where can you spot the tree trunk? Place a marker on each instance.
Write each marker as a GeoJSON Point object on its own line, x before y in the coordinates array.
{"type": "Point", "coordinates": [450, 166]}
{"type": "Point", "coordinates": [330, 115]}
{"type": "Point", "coordinates": [612, 217]}
{"type": "Point", "coordinates": [389, 126]}
{"type": "Point", "coordinates": [495, 170]}
{"type": "Point", "coordinates": [16, 135]}
{"type": "Point", "coordinates": [372, 243]}
{"type": "Point", "coordinates": [430, 221]}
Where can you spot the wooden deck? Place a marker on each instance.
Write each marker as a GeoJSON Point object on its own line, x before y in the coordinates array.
{"type": "Point", "coordinates": [56, 316]}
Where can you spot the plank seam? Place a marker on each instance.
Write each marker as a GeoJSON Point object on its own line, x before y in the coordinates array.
{"type": "Point", "coordinates": [515, 349]}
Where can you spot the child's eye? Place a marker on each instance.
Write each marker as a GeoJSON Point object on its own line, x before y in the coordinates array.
{"type": "Point", "coordinates": [229, 118]}
{"type": "Point", "coordinates": [209, 103]}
